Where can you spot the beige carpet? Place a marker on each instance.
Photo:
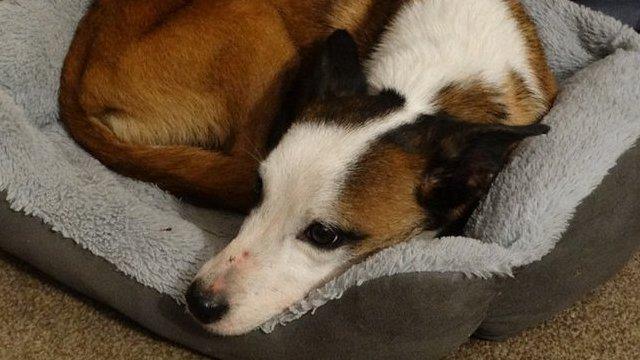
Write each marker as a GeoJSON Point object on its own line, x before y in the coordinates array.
{"type": "Point", "coordinates": [40, 319]}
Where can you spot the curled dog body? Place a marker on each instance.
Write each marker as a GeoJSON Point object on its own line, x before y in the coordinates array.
{"type": "Point", "coordinates": [407, 143]}
{"type": "Point", "coordinates": [186, 93]}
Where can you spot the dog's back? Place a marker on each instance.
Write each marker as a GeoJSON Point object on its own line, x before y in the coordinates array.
{"type": "Point", "coordinates": [183, 93]}
{"type": "Point", "coordinates": [150, 87]}
{"type": "Point", "coordinates": [480, 61]}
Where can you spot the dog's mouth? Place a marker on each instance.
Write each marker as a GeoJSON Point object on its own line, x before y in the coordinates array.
{"type": "Point", "coordinates": [221, 316]}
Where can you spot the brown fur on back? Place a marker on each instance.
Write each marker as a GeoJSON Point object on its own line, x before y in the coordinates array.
{"type": "Point", "coordinates": [169, 75]}
{"type": "Point", "coordinates": [183, 93]}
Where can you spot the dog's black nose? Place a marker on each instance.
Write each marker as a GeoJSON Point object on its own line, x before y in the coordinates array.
{"type": "Point", "coordinates": [205, 306]}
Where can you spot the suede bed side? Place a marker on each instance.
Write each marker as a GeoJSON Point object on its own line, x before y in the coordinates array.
{"type": "Point", "coordinates": [602, 236]}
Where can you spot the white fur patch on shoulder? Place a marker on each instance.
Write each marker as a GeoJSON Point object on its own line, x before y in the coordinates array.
{"type": "Point", "coordinates": [433, 43]}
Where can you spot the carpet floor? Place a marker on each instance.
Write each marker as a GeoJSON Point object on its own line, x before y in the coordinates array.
{"type": "Point", "coordinates": [40, 319]}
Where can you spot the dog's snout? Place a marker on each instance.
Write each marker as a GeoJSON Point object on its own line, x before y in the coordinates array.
{"type": "Point", "coordinates": [205, 305]}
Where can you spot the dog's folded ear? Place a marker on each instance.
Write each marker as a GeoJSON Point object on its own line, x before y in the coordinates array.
{"type": "Point", "coordinates": [331, 70]}
{"type": "Point", "coordinates": [466, 159]}
{"type": "Point", "coordinates": [337, 71]}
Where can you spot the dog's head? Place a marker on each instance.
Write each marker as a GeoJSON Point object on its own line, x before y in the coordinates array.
{"type": "Point", "coordinates": [356, 173]}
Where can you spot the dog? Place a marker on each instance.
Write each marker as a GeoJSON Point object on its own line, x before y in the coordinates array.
{"type": "Point", "coordinates": [185, 93]}
{"type": "Point", "coordinates": [406, 143]}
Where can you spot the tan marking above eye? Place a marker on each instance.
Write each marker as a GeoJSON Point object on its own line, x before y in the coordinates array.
{"type": "Point", "coordinates": [382, 205]}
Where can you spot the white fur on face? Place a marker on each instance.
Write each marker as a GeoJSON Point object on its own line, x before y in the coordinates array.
{"type": "Point", "coordinates": [430, 44]}
{"type": "Point", "coordinates": [268, 267]}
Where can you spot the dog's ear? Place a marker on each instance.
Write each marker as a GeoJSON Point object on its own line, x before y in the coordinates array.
{"type": "Point", "coordinates": [337, 71]}
{"type": "Point", "coordinates": [467, 158]}
{"type": "Point", "coordinates": [329, 71]}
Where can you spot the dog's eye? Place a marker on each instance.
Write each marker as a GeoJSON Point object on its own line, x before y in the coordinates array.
{"type": "Point", "coordinates": [323, 235]}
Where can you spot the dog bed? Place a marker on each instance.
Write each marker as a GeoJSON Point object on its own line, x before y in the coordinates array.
{"type": "Point", "coordinates": [559, 220]}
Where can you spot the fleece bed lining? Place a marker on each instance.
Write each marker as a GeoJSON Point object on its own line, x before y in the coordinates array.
{"type": "Point", "coordinates": [161, 241]}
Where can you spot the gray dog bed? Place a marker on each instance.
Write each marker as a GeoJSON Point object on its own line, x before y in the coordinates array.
{"type": "Point", "coordinates": [561, 219]}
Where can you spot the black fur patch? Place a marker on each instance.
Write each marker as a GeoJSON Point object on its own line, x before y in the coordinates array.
{"type": "Point", "coordinates": [332, 88]}
{"type": "Point", "coordinates": [330, 73]}
{"type": "Point", "coordinates": [337, 71]}
{"type": "Point", "coordinates": [462, 161]}
{"type": "Point", "coordinates": [354, 110]}
{"type": "Point", "coordinates": [337, 89]}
